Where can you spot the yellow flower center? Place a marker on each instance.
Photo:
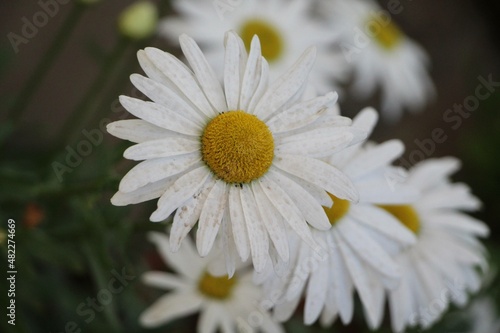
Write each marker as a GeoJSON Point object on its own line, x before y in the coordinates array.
{"type": "Point", "coordinates": [238, 147]}
{"type": "Point", "coordinates": [218, 287]}
{"type": "Point", "coordinates": [386, 34]}
{"type": "Point", "coordinates": [405, 214]}
{"type": "Point", "coordinates": [271, 42]}
{"type": "Point", "coordinates": [339, 208]}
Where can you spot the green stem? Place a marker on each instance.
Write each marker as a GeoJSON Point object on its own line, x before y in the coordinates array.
{"type": "Point", "coordinates": [120, 81]}
{"type": "Point", "coordinates": [101, 280]}
{"type": "Point", "coordinates": [90, 100]}
{"type": "Point", "coordinates": [28, 91]}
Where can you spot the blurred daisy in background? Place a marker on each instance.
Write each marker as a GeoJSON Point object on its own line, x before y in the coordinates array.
{"type": "Point", "coordinates": [139, 20]}
{"type": "Point", "coordinates": [285, 28]}
{"type": "Point", "coordinates": [380, 55]}
{"type": "Point", "coordinates": [244, 157]}
{"type": "Point", "coordinates": [355, 254]}
{"type": "Point", "coordinates": [442, 266]}
{"type": "Point", "coordinates": [483, 316]}
{"type": "Point", "coordinates": [225, 304]}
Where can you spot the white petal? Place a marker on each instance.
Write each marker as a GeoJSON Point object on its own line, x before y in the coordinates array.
{"type": "Point", "coordinates": [309, 207]}
{"type": "Point", "coordinates": [182, 77]}
{"type": "Point", "coordinates": [161, 116]}
{"type": "Point", "coordinates": [341, 282]}
{"type": "Point", "coordinates": [453, 196]}
{"type": "Point", "coordinates": [170, 98]}
{"type": "Point", "coordinates": [163, 280]}
{"type": "Point", "coordinates": [177, 194]}
{"type": "Point", "coordinates": [461, 223]}
{"type": "Point", "coordinates": [284, 310]}
{"type": "Point", "coordinates": [152, 71]}
{"type": "Point", "coordinates": [301, 114]}
{"type": "Point", "coordinates": [273, 221]}
{"type": "Point", "coordinates": [145, 193]}
{"type": "Point", "coordinates": [229, 247]}
{"type": "Point", "coordinates": [162, 148]}
{"type": "Point", "coordinates": [170, 307]}
{"type": "Point", "coordinates": [317, 192]}
{"type": "Point", "coordinates": [379, 299]}
{"type": "Point", "coordinates": [238, 223]}
{"type": "Point", "coordinates": [209, 318]}
{"type": "Point", "coordinates": [315, 143]}
{"type": "Point", "coordinates": [316, 294]}
{"type": "Point", "coordinates": [184, 262]}
{"type": "Point", "coordinates": [284, 204]}
{"type": "Point", "coordinates": [137, 130]}
{"type": "Point", "coordinates": [259, 242]}
{"type": "Point", "coordinates": [251, 77]}
{"type": "Point", "coordinates": [367, 249]}
{"type": "Point", "coordinates": [428, 278]}
{"type": "Point", "coordinates": [187, 215]}
{"type": "Point", "coordinates": [318, 173]}
{"type": "Point", "coordinates": [385, 188]}
{"type": "Point", "coordinates": [269, 325]}
{"type": "Point", "coordinates": [204, 73]}
{"type": "Point", "coordinates": [151, 171]}
{"type": "Point", "coordinates": [301, 271]}
{"type": "Point", "coordinates": [400, 303]}
{"type": "Point", "coordinates": [366, 119]}
{"type": "Point", "coordinates": [360, 279]}
{"type": "Point", "coordinates": [329, 313]}
{"type": "Point", "coordinates": [383, 222]}
{"type": "Point", "coordinates": [226, 324]}
{"type": "Point", "coordinates": [429, 172]}
{"type": "Point", "coordinates": [287, 86]}
{"type": "Point", "coordinates": [374, 158]}
{"type": "Point", "coordinates": [261, 88]}
{"type": "Point", "coordinates": [232, 63]}
{"type": "Point", "coordinates": [211, 217]}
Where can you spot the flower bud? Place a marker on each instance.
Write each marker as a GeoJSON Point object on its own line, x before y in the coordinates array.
{"type": "Point", "coordinates": [139, 20]}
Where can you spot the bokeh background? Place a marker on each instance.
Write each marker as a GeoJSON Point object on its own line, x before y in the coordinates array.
{"type": "Point", "coordinates": [70, 241]}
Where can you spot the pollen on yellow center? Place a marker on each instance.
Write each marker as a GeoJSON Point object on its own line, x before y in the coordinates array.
{"type": "Point", "coordinates": [406, 214]}
{"type": "Point", "coordinates": [218, 287]}
{"type": "Point", "coordinates": [386, 34]}
{"type": "Point", "coordinates": [238, 147]}
{"type": "Point", "coordinates": [339, 208]}
{"type": "Point", "coordinates": [271, 42]}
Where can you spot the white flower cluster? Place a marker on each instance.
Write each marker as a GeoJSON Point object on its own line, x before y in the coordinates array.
{"type": "Point", "coordinates": [284, 197]}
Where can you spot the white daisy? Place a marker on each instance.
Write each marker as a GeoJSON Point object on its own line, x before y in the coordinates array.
{"type": "Point", "coordinates": [355, 254]}
{"type": "Point", "coordinates": [228, 304]}
{"type": "Point", "coordinates": [285, 29]}
{"type": "Point", "coordinates": [441, 266]}
{"type": "Point", "coordinates": [243, 157]}
{"type": "Point", "coordinates": [380, 55]}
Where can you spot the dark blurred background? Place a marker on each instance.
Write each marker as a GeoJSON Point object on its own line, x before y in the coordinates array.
{"type": "Point", "coordinates": [62, 225]}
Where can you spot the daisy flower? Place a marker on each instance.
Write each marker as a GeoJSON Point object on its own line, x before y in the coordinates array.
{"type": "Point", "coordinates": [441, 266]}
{"type": "Point", "coordinates": [355, 254]}
{"type": "Point", "coordinates": [224, 303]}
{"type": "Point", "coordinates": [285, 29]}
{"type": "Point", "coordinates": [380, 55]}
{"type": "Point", "coordinates": [242, 159]}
